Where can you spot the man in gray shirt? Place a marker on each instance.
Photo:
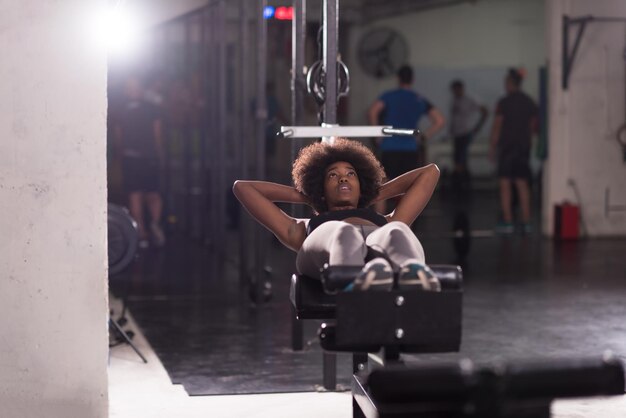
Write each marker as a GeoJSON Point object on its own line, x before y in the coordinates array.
{"type": "Point", "coordinates": [464, 125]}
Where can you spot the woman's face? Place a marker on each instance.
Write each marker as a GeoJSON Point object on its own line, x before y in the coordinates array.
{"type": "Point", "coordinates": [342, 189]}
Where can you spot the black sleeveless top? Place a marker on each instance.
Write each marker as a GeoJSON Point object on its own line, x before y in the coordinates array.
{"type": "Point", "coordinates": [340, 215]}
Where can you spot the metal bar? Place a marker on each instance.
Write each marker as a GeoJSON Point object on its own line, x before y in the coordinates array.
{"type": "Point", "coordinates": [361, 400]}
{"type": "Point", "coordinates": [298, 82]}
{"type": "Point", "coordinates": [343, 131]}
{"type": "Point", "coordinates": [579, 34]}
{"type": "Point", "coordinates": [222, 124]}
{"type": "Point", "coordinates": [598, 19]}
{"type": "Point", "coordinates": [213, 115]}
{"type": "Point", "coordinates": [329, 370]}
{"type": "Point", "coordinates": [564, 52]}
{"type": "Point", "coordinates": [204, 124]}
{"type": "Point", "coordinates": [186, 133]}
{"type": "Point", "coordinates": [261, 94]}
{"type": "Point", "coordinates": [297, 331]}
{"type": "Point", "coordinates": [244, 113]}
{"type": "Point", "coordinates": [567, 58]}
{"type": "Point", "coordinates": [405, 132]}
{"type": "Point", "coordinates": [570, 60]}
{"type": "Point", "coordinates": [169, 208]}
{"type": "Point", "coordinates": [126, 338]}
{"type": "Point", "coordinates": [261, 120]}
{"type": "Point", "coordinates": [329, 59]}
{"type": "Point", "coordinates": [298, 34]}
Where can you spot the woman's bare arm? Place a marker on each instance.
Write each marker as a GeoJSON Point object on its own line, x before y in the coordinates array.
{"type": "Point", "coordinates": [416, 187]}
{"type": "Point", "coordinates": [258, 198]}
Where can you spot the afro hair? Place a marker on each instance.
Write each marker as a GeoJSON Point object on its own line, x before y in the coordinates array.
{"type": "Point", "coordinates": [309, 170]}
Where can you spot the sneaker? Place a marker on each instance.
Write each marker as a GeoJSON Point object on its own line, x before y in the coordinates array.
{"type": "Point", "coordinates": [158, 237]}
{"type": "Point", "coordinates": [377, 274]}
{"type": "Point", "coordinates": [505, 228]}
{"type": "Point", "coordinates": [415, 275]}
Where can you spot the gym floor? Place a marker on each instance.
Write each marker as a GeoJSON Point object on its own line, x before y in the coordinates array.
{"type": "Point", "coordinates": [525, 297]}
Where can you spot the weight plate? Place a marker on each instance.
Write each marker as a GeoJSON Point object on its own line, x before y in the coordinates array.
{"type": "Point", "coordinates": [122, 238]}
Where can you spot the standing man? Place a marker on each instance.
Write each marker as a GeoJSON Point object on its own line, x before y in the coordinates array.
{"type": "Point", "coordinates": [402, 108]}
{"type": "Point", "coordinates": [462, 129]}
{"type": "Point", "coordinates": [515, 122]}
{"type": "Point", "coordinates": [138, 141]}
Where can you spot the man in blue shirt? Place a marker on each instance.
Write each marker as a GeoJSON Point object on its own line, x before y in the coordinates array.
{"type": "Point", "coordinates": [403, 108]}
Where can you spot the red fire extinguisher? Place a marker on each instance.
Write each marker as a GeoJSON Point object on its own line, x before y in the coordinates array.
{"type": "Point", "coordinates": [566, 221]}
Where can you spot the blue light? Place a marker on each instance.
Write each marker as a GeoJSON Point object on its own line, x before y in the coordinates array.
{"type": "Point", "coordinates": [268, 12]}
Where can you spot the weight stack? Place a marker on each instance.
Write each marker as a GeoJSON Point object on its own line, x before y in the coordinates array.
{"type": "Point", "coordinates": [566, 218]}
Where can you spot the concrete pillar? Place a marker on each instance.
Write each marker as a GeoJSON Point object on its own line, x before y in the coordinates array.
{"type": "Point", "coordinates": [53, 279]}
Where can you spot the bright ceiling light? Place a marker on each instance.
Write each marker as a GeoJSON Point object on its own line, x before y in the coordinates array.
{"type": "Point", "coordinates": [118, 30]}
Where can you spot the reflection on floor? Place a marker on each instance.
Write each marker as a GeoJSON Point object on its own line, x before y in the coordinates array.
{"type": "Point", "coordinates": [139, 390]}
{"type": "Point", "coordinates": [525, 297]}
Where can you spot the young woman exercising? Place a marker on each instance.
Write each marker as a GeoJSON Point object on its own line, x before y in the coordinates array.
{"type": "Point", "coordinates": [340, 182]}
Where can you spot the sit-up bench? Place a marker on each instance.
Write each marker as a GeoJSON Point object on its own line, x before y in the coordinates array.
{"type": "Point", "coordinates": [413, 321]}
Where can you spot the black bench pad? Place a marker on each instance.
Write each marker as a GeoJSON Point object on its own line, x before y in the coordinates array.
{"type": "Point", "coordinates": [312, 302]}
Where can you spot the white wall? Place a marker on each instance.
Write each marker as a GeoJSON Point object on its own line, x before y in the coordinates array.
{"type": "Point", "coordinates": [53, 298]}
{"type": "Point", "coordinates": [584, 119]}
{"type": "Point", "coordinates": [480, 39]}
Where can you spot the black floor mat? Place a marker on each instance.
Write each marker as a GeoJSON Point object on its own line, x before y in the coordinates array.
{"type": "Point", "coordinates": [525, 297]}
{"type": "Point", "coordinates": [217, 348]}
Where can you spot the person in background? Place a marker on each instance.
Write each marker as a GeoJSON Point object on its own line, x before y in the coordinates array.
{"type": "Point", "coordinates": [138, 141]}
{"type": "Point", "coordinates": [463, 129]}
{"type": "Point", "coordinates": [403, 108]}
{"type": "Point", "coordinates": [515, 121]}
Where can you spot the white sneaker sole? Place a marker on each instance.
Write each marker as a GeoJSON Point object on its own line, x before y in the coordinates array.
{"type": "Point", "coordinates": [376, 279]}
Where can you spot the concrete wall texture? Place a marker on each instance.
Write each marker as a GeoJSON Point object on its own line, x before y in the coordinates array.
{"type": "Point", "coordinates": [585, 159]}
{"type": "Point", "coordinates": [53, 298]}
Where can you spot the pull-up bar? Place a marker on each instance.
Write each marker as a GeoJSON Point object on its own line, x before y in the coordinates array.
{"type": "Point", "coordinates": [569, 56]}
{"type": "Point", "coordinates": [331, 130]}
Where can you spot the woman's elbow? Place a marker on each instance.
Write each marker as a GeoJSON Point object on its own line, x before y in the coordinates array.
{"type": "Point", "coordinates": [434, 168]}
{"type": "Point", "coordinates": [238, 187]}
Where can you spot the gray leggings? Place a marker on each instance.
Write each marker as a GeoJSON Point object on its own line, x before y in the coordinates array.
{"type": "Point", "coordinates": [341, 243]}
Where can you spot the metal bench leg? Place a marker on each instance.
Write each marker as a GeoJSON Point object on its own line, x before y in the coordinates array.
{"type": "Point", "coordinates": [330, 371]}
{"type": "Point", "coordinates": [297, 331]}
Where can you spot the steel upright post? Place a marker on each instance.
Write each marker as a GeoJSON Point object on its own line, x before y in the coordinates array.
{"type": "Point", "coordinates": [222, 126]}
{"type": "Point", "coordinates": [261, 119]}
{"type": "Point", "coordinates": [244, 137]}
{"type": "Point", "coordinates": [329, 65]}
{"type": "Point", "coordinates": [298, 88]}
{"type": "Point", "coordinates": [329, 57]}
{"type": "Point", "coordinates": [298, 83]}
